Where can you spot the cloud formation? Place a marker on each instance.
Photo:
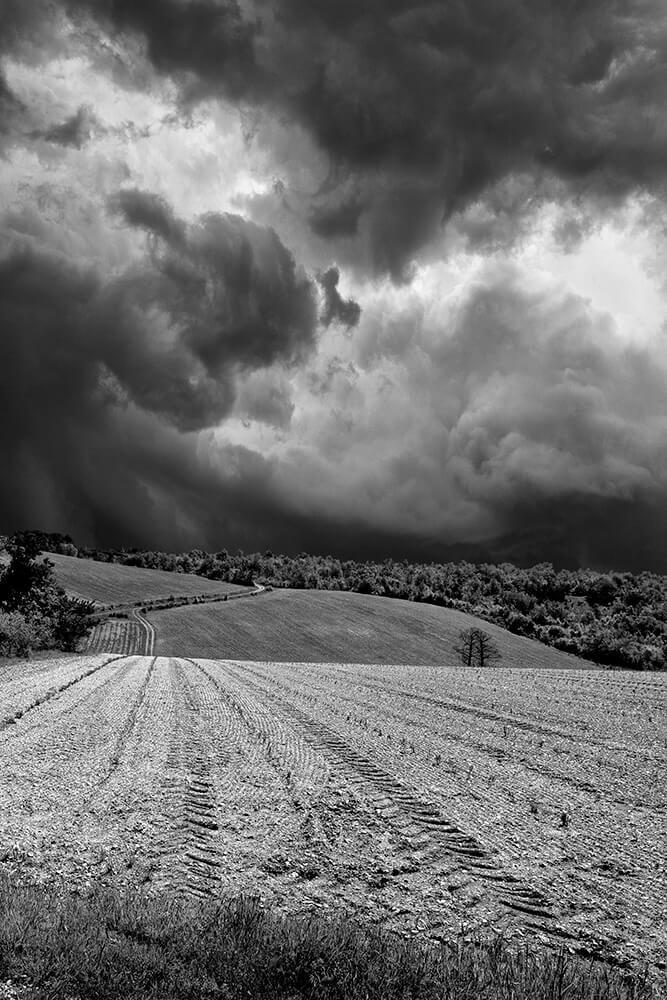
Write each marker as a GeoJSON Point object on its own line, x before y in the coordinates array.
{"type": "Point", "coordinates": [88, 360]}
{"type": "Point", "coordinates": [423, 108]}
{"type": "Point", "coordinates": [256, 291]}
{"type": "Point", "coordinates": [514, 421]}
{"type": "Point", "coordinates": [336, 308]}
{"type": "Point", "coordinates": [74, 131]}
{"type": "Point", "coordinates": [220, 296]}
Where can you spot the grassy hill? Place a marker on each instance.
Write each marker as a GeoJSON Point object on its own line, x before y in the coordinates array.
{"type": "Point", "coordinates": [111, 583]}
{"type": "Point", "coordinates": [328, 626]}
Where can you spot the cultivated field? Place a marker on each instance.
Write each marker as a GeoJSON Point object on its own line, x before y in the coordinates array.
{"type": "Point", "coordinates": [321, 626]}
{"type": "Point", "coordinates": [131, 634]}
{"type": "Point", "coordinates": [111, 583]}
{"type": "Point", "coordinates": [426, 799]}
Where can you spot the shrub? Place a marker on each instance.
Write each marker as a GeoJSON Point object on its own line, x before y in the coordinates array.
{"type": "Point", "coordinates": [17, 634]}
{"type": "Point", "coordinates": [71, 621]}
{"type": "Point", "coordinates": [35, 611]}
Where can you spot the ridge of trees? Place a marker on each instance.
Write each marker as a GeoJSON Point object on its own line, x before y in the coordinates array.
{"type": "Point", "coordinates": [613, 619]}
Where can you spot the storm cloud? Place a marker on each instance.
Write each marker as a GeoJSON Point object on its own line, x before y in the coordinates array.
{"type": "Point", "coordinates": [375, 279]}
{"type": "Point", "coordinates": [514, 420]}
{"type": "Point", "coordinates": [90, 360]}
{"type": "Point", "coordinates": [423, 108]}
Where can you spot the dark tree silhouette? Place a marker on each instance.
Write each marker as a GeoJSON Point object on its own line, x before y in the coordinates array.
{"type": "Point", "coordinates": [487, 652]}
{"type": "Point", "coordinates": [476, 648]}
{"type": "Point", "coordinates": [465, 647]}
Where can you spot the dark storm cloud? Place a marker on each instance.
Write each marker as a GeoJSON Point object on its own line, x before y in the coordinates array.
{"type": "Point", "coordinates": [149, 211]}
{"type": "Point", "coordinates": [103, 377]}
{"type": "Point", "coordinates": [427, 106]}
{"type": "Point", "coordinates": [230, 287]}
{"type": "Point", "coordinates": [336, 219]}
{"type": "Point", "coordinates": [336, 308]}
{"type": "Point", "coordinates": [528, 429]}
{"type": "Point", "coordinates": [213, 41]}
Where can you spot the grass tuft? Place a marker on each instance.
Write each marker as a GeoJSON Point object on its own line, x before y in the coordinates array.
{"type": "Point", "coordinates": [113, 945]}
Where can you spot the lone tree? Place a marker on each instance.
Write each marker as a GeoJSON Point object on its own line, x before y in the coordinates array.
{"type": "Point", "coordinates": [476, 648]}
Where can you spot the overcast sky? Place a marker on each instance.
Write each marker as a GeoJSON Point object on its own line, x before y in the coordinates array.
{"type": "Point", "coordinates": [375, 278]}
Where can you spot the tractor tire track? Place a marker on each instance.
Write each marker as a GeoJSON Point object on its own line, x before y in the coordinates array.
{"type": "Point", "coordinates": [149, 633]}
{"type": "Point", "coordinates": [429, 837]}
{"type": "Point", "coordinates": [513, 838]}
{"type": "Point", "coordinates": [127, 728]}
{"type": "Point", "coordinates": [308, 778]}
{"type": "Point", "coordinates": [190, 774]}
{"type": "Point", "coordinates": [190, 751]}
{"type": "Point", "coordinates": [465, 739]}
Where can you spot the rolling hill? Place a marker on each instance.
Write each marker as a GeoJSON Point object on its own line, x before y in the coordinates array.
{"type": "Point", "coordinates": [328, 626]}
{"type": "Point", "coordinates": [112, 583]}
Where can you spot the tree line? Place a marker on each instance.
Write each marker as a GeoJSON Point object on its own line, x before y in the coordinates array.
{"type": "Point", "coordinates": [613, 619]}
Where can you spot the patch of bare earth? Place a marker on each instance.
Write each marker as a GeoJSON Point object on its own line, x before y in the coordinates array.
{"type": "Point", "coordinates": [427, 799]}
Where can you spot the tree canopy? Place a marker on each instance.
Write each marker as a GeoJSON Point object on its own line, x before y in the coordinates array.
{"type": "Point", "coordinates": [34, 611]}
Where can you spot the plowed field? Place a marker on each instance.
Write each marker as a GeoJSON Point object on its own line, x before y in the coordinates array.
{"type": "Point", "coordinates": [427, 799]}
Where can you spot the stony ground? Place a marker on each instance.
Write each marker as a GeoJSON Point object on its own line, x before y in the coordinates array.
{"type": "Point", "coordinates": [428, 799]}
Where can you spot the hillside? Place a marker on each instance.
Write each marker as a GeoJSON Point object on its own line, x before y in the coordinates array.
{"type": "Point", "coordinates": [614, 619]}
{"type": "Point", "coordinates": [328, 626]}
{"type": "Point", "coordinates": [112, 583]}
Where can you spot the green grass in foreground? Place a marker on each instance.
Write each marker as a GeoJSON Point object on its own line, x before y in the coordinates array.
{"type": "Point", "coordinates": [110, 945]}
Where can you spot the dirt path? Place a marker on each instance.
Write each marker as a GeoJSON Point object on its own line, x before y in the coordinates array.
{"type": "Point", "coordinates": [125, 629]}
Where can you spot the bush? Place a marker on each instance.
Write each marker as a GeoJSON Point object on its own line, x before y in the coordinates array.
{"type": "Point", "coordinates": [17, 634]}
{"type": "Point", "coordinates": [71, 621]}
{"type": "Point", "coordinates": [67, 549]}
{"type": "Point", "coordinates": [35, 611]}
